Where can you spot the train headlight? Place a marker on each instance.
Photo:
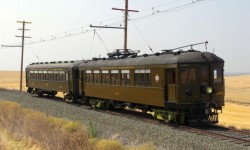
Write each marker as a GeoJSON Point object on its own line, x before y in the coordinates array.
{"type": "Point", "coordinates": [188, 91]}
{"type": "Point", "coordinates": [207, 90]}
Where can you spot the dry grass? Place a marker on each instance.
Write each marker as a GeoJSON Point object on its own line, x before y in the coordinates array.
{"type": "Point", "coordinates": [11, 80]}
{"type": "Point", "coordinates": [46, 132]}
{"type": "Point", "coordinates": [234, 115]}
{"type": "Point", "coordinates": [237, 88]}
{"type": "Point", "coordinates": [28, 129]}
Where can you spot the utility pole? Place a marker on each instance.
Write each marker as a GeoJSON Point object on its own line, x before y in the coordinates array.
{"type": "Point", "coordinates": [23, 37]}
{"type": "Point", "coordinates": [126, 10]}
{"type": "Point", "coordinates": [126, 25]}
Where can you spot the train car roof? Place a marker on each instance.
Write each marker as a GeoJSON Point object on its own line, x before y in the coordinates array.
{"type": "Point", "coordinates": [59, 65]}
{"type": "Point", "coordinates": [186, 57]}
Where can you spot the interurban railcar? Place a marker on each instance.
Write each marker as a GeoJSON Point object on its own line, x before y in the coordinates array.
{"type": "Point", "coordinates": [48, 78]}
{"type": "Point", "coordinates": [181, 87]}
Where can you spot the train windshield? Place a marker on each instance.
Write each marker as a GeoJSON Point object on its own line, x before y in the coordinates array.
{"type": "Point", "coordinates": [218, 74]}
{"type": "Point", "coordinates": [188, 76]}
{"type": "Point", "coordinates": [204, 75]}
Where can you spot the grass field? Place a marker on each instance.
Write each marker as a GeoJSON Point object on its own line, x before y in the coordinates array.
{"type": "Point", "coordinates": [234, 114]}
{"type": "Point", "coordinates": [22, 128]}
{"type": "Point", "coordinates": [238, 88]}
{"type": "Point", "coordinates": [11, 80]}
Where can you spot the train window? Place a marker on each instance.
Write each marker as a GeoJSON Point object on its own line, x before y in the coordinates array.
{"type": "Point", "coordinates": [171, 76]}
{"type": "Point", "coordinates": [88, 71]}
{"type": "Point", "coordinates": [40, 75]}
{"type": "Point", "coordinates": [55, 76]}
{"type": "Point", "coordinates": [50, 73]}
{"type": "Point", "coordinates": [204, 75]}
{"type": "Point", "coordinates": [35, 75]}
{"type": "Point", "coordinates": [218, 74]}
{"type": "Point", "coordinates": [66, 76]}
{"type": "Point", "coordinates": [188, 76]}
{"type": "Point", "coordinates": [89, 76]}
{"type": "Point", "coordinates": [115, 77]}
{"type": "Point", "coordinates": [142, 77]}
{"type": "Point", "coordinates": [45, 75]}
{"type": "Point", "coordinates": [147, 77]}
{"type": "Point", "coordinates": [105, 77]}
{"type": "Point", "coordinates": [125, 77]}
{"type": "Point", "coordinates": [97, 77]}
{"type": "Point", "coordinates": [61, 76]}
{"type": "Point", "coordinates": [30, 74]}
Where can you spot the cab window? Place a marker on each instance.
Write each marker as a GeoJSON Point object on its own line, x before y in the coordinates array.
{"type": "Point", "coordinates": [204, 75]}
{"type": "Point", "coordinates": [188, 75]}
{"type": "Point", "coordinates": [218, 73]}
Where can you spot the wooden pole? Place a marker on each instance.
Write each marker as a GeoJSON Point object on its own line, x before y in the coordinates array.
{"type": "Point", "coordinates": [126, 27]}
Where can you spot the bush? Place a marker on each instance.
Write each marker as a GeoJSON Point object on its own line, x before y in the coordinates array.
{"type": "Point", "coordinates": [50, 133]}
{"type": "Point", "coordinates": [47, 132]}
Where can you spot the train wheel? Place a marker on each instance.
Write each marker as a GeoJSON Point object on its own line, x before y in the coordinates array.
{"type": "Point", "coordinates": [40, 94]}
{"type": "Point", "coordinates": [68, 99]}
{"type": "Point", "coordinates": [29, 90]}
{"type": "Point", "coordinates": [108, 106]}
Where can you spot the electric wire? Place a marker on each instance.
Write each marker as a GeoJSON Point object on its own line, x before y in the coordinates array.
{"type": "Point", "coordinates": [102, 41]}
{"type": "Point", "coordinates": [85, 29]}
{"type": "Point", "coordinates": [92, 45]}
{"type": "Point", "coordinates": [141, 35]}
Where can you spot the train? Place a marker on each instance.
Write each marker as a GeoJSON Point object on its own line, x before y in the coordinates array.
{"type": "Point", "coordinates": [182, 87]}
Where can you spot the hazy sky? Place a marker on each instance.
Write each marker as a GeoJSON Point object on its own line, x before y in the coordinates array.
{"type": "Point", "coordinates": [225, 24]}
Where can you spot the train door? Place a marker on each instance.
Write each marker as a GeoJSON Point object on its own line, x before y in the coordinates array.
{"type": "Point", "coordinates": [69, 81]}
{"type": "Point", "coordinates": [170, 85]}
{"type": "Point", "coordinates": [83, 81]}
{"type": "Point", "coordinates": [75, 81]}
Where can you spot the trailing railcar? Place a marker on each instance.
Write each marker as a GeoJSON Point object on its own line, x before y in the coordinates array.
{"type": "Point", "coordinates": [50, 78]}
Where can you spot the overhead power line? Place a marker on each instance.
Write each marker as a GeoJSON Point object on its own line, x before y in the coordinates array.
{"type": "Point", "coordinates": [85, 29]}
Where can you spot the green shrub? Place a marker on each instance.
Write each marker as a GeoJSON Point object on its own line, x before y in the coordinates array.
{"type": "Point", "coordinates": [92, 130]}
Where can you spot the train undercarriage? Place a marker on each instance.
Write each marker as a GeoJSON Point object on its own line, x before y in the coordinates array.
{"type": "Point", "coordinates": [188, 116]}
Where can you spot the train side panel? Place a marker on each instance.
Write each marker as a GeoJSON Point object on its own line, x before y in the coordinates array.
{"type": "Point", "coordinates": [147, 96]}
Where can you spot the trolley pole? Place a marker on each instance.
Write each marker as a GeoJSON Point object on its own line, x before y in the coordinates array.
{"type": "Point", "coordinates": [23, 37]}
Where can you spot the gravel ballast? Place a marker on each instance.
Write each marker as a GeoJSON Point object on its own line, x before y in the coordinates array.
{"type": "Point", "coordinates": [128, 131]}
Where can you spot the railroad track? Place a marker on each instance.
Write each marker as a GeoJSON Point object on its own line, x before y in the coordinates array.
{"type": "Point", "coordinates": [235, 136]}
{"type": "Point", "coordinates": [225, 134]}
{"type": "Point", "coordinates": [217, 132]}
